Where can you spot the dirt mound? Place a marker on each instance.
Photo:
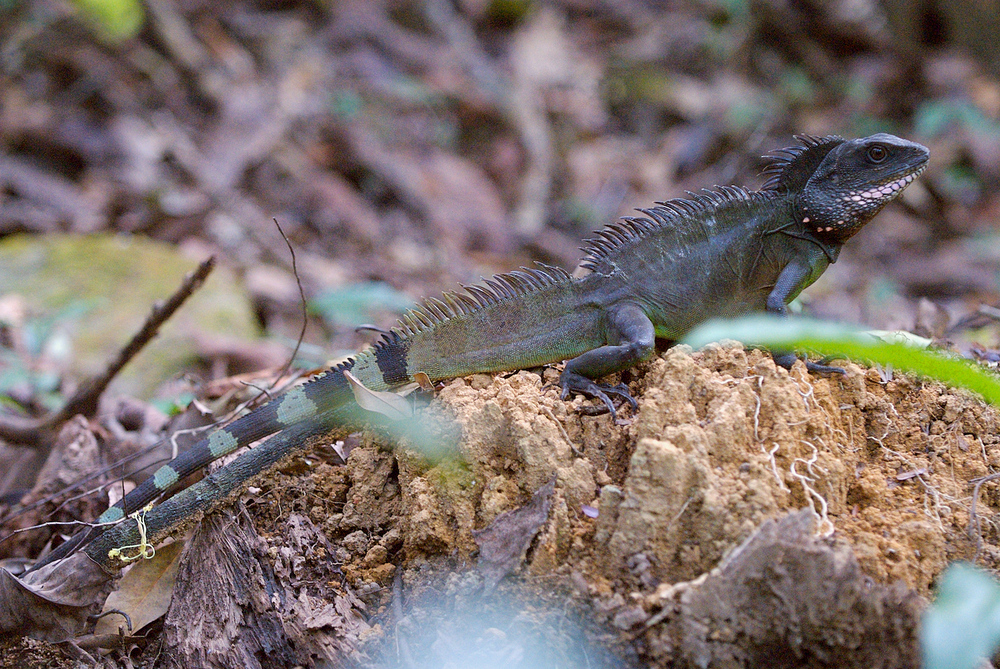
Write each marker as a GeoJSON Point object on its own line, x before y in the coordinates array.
{"type": "Point", "coordinates": [744, 516]}
{"type": "Point", "coordinates": [723, 442]}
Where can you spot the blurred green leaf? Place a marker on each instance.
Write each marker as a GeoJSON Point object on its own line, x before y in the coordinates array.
{"type": "Point", "coordinates": [961, 182]}
{"type": "Point", "coordinates": [900, 337]}
{"type": "Point", "coordinates": [936, 117]}
{"type": "Point", "coordinates": [748, 114]}
{"type": "Point", "coordinates": [346, 105]}
{"type": "Point", "coordinates": [357, 303]}
{"type": "Point", "coordinates": [12, 372]}
{"type": "Point", "coordinates": [39, 332]}
{"type": "Point", "coordinates": [736, 8]}
{"type": "Point", "coordinates": [47, 347]}
{"type": "Point", "coordinates": [175, 405]}
{"type": "Point", "coordinates": [881, 292]}
{"type": "Point", "coordinates": [831, 339]}
{"type": "Point", "coordinates": [858, 90]}
{"type": "Point", "coordinates": [113, 20]}
{"type": "Point", "coordinates": [796, 86]}
{"type": "Point", "coordinates": [962, 627]}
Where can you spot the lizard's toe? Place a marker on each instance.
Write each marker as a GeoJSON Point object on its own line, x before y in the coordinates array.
{"type": "Point", "coordinates": [622, 391]}
{"type": "Point", "coordinates": [820, 368]}
{"type": "Point", "coordinates": [575, 383]}
{"type": "Point", "coordinates": [786, 359]}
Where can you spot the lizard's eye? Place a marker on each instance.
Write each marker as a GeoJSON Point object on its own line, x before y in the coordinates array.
{"type": "Point", "coordinates": [877, 153]}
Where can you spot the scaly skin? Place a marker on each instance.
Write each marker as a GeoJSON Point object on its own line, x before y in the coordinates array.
{"type": "Point", "coordinates": [721, 253]}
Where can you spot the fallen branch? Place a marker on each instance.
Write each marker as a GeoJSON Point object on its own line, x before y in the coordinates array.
{"type": "Point", "coordinates": [37, 432]}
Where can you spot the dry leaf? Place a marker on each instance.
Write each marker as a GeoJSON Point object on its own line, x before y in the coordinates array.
{"type": "Point", "coordinates": [53, 603]}
{"type": "Point", "coordinates": [391, 405]}
{"type": "Point", "coordinates": [424, 382]}
{"type": "Point", "coordinates": [503, 542]}
{"type": "Point", "coordinates": [144, 591]}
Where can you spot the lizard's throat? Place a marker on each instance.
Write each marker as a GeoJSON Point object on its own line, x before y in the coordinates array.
{"type": "Point", "coordinates": [838, 216]}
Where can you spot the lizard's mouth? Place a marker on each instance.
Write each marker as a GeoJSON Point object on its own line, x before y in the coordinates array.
{"type": "Point", "coordinates": [889, 189]}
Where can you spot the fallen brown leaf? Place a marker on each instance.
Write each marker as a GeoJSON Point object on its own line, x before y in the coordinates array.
{"type": "Point", "coordinates": [144, 591]}
{"type": "Point", "coordinates": [54, 602]}
{"type": "Point", "coordinates": [503, 542]}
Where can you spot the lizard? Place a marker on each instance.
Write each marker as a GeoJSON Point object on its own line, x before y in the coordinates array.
{"type": "Point", "coordinates": [720, 253]}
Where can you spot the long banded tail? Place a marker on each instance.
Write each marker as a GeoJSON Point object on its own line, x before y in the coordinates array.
{"type": "Point", "coordinates": [325, 392]}
{"type": "Point", "coordinates": [429, 339]}
{"type": "Point", "coordinates": [516, 320]}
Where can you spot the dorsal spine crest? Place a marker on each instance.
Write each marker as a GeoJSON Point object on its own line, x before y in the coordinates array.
{"type": "Point", "coordinates": [681, 215]}
{"type": "Point", "coordinates": [788, 169]}
{"type": "Point", "coordinates": [508, 286]}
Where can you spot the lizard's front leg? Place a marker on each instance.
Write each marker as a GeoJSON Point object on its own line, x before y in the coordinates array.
{"type": "Point", "coordinates": [631, 338]}
{"type": "Point", "coordinates": [789, 284]}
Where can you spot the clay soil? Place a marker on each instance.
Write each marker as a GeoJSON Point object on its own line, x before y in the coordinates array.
{"type": "Point", "coordinates": [745, 516]}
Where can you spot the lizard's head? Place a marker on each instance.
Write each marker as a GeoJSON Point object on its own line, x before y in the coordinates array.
{"type": "Point", "coordinates": [854, 181]}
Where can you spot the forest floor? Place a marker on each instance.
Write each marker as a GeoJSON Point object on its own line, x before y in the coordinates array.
{"type": "Point", "coordinates": [674, 540]}
{"type": "Point", "coordinates": [744, 515]}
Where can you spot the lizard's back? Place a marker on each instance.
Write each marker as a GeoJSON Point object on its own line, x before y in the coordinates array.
{"type": "Point", "coordinates": [717, 254]}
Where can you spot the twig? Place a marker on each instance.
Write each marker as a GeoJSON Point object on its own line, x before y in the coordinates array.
{"type": "Point", "coordinates": [54, 523]}
{"type": "Point", "coordinates": [36, 432]}
{"type": "Point", "coordinates": [302, 301]}
{"type": "Point", "coordinates": [266, 392]}
{"type": "Point", "coordinates": [973, 516]}
{"type": "Point", "coordinates": [85, 400]}
{"type": "Point", "coordinates": [576, 451]}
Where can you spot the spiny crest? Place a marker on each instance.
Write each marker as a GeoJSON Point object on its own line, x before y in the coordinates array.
{"type": "Point", "coordinates": [789, 169]}
{"type": "Point", "coordinates": [454, 304]}
{"type": "Point", "coordinates": [683, 217]}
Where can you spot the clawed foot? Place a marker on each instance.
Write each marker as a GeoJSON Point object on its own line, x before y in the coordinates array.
{"type": "Point", "coordinates": [786, 360]}
{"type": "Point", "coordinates": [575, 383]}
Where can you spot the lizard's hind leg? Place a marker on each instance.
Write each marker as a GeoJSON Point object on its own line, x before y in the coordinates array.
{"type": "Point", "coordinates": [631, 338]}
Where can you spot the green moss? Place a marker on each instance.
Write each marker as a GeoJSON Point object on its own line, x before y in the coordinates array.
{"type": "Point", "coordinates": [98, 290]}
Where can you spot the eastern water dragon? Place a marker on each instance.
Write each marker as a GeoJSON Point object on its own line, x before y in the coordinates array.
{"type": "Point", "coordinates": [720, 253]}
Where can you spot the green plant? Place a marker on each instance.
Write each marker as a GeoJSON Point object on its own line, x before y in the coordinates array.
{"type": "Point", "coordinates": [839, 341]}
{"type": "Point", "coordinates": [962, 627]}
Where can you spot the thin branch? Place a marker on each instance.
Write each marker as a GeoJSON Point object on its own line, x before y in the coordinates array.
{"type": "Point", "coordinates": [85, 400]}
{"type": "Point", "coordinates": [974, 524]}
{"type": "Point", "coordinates": [302, 301]}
